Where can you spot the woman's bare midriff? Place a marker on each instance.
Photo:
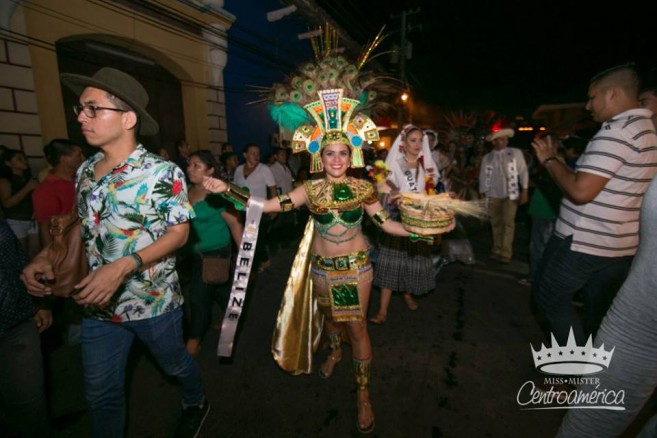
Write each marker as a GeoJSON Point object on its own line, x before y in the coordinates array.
{"type": "Point", "coordinates": [325, 248]}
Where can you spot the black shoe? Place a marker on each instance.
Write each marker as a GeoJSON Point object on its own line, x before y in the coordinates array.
{"type": "Point", "coordinates": [191, 420]}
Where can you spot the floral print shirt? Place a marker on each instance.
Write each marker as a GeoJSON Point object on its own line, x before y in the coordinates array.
{"type": "Point", "coordinates": [124, 211]}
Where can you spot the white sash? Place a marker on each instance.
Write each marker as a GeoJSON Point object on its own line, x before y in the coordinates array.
{"type": "Point", "coordinates": [487, 183]}
{"type": "Point", "coordinates": [512, 180]}
{"type": "Point", "coordinates": [512, 189]}
{"type": "Point", "coordinates": [245, 258]}
{"type": "Point", "coordinates": [489, 174]}
{"type": "Point", "coordinates": [410, 180]}
{"type": "Point", "coordinates": [409, 176]}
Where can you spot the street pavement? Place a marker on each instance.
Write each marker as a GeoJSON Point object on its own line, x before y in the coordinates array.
{"type": "Point", "coordinates": [453, 368]}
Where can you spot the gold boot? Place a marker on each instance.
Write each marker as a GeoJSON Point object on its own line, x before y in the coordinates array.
{"type": "Point", "coordinates": [362, 374]}
{"type": "Point", "coordinates": [335, 356]}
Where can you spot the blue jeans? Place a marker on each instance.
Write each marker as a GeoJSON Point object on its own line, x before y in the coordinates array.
{"type": "Point", "coordinates": [105, 348]}
{"type": "Point", "coordinates": [22, 393]}
{"type": "Point", "coordinates": [561, 273]}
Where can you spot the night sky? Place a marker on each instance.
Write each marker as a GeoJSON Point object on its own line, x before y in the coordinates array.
{"type": "Point", "coordinates": [506, 56]}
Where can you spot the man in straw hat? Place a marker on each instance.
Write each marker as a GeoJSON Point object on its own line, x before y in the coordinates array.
{"type": "Point", "coordinates": [134, 214]}
{"type": "Point", "coordinates": [504, 183]}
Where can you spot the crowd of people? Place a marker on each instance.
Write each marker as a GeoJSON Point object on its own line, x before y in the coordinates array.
{"type": "Point", "coordinates": [590, 238]}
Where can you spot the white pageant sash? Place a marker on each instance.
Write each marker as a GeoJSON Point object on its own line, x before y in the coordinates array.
{"type": "Point", "coordinates": [512, 182]}
{"type": "Point", "coordinates": [245, 258]}
{"type": "Point", "coordinates": [487, 184]}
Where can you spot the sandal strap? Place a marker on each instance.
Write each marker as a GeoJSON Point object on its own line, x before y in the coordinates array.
{"type": "Point", "coordinates": [379, 318]}
{"type": "Point", "coordinates": [369, 427]}
{"type": "Point", "coordinates": [332, 360]}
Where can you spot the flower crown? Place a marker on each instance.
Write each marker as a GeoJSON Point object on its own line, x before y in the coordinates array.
{"type": "Point", "coordinates": [408, 129]}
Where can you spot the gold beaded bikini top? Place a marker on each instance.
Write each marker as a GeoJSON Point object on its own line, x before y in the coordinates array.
{"type": "Point", "coordinates": [344, 196]}
{"type": "Point", "coordinates": [338, 203]}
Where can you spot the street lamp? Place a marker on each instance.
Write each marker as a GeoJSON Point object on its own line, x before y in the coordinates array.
{"type": "Point", "coordinates": [406, 101]}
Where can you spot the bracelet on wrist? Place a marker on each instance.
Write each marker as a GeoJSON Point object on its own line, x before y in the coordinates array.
{"type": "Point", "coordinates": [548, 159]}
{"type": "Point", "coordinates": [237, 195]}
{"type": "Point", "coordinates": [137, 259]}
{"type": "Point", "coordinates": [417, 238]}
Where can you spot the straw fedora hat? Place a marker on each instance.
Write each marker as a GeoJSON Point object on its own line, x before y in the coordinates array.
{"type": "Point", "coordinates": [506, 132]}
{"type": "Point", "coordinates": [121, 85]}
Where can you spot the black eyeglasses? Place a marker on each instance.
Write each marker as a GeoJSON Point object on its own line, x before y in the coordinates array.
{"type": "Point", "coordinates": [91, 110]}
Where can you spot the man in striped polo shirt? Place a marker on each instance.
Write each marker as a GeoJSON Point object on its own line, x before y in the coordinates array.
{"type": "Point", "coordinates": [597, 233]}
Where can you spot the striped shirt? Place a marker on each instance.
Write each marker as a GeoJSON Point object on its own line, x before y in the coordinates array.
{"type": "Point", "coordinates": [625, 151]}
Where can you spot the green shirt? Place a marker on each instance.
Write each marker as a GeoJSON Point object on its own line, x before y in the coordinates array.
{"type": "Point", "coordinates": [540, 207]}
{"type": "Point", "coordinates": [209, 230]}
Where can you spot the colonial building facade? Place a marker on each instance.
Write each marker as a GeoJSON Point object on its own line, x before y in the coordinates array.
{"type": "Point", "coordinates": [176, 49]}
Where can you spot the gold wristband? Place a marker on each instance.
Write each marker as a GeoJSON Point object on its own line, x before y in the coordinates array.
{"type": "Point", "coordinates": [380, 217]}
{"type": "Point", "coordinates": [236, 194]}
{"type": "Point", "coordinates": [285, 202]}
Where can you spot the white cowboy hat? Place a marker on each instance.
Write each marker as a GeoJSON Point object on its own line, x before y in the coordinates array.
{"type": "Point", "coordinates": [506, 132]}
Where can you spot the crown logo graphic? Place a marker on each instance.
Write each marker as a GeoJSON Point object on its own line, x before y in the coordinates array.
{"type": "Point", "coordinates": [571, 359]}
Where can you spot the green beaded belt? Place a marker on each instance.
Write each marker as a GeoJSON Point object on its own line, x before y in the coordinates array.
{"type": "Point", "coordinates": [347, 262]}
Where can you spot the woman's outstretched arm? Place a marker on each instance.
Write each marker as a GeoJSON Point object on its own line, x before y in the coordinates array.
{"type": "Point", "coordinates": [286, 202]}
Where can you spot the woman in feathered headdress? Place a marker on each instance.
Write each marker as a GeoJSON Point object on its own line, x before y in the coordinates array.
{"type": "Point", "coordinates": [329, 286]}
{"type": "Point", "coordinates": [339, 265]}
{"type": "Point", "coordinates": [401, 264]}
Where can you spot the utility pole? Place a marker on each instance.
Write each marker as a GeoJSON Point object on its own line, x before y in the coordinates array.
{"type": "Point", "coordinates": [404, 54]}
{"type": "Point", "coordinates": [402, 50]}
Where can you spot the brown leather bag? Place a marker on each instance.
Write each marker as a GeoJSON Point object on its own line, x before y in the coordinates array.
{"type": "Point", "coordinates": [215, 269]}
{"type": "Point", "coordinates": [66, 253]}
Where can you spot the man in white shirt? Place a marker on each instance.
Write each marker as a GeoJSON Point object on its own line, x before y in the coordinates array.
{"type": "Point", "coordinates": [293, 160]}
{"type": "Point", "coordinates": [282, 173]}
{"type": "Point", "coordinates": [605, 235]}
{"type": "Point", "coordinates": [504, 183]}
{"type": "Point", "coordinates": [257, 177]}
{"type": "Point", "coordinates": [597, 233]}
{"type": "Point", "coordinates": [283, 225]}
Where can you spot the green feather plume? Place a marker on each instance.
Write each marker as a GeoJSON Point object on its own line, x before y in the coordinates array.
{"type": "Point", "coordinates": [289, 115]}
{"type": "Point", "coordinates": [328, 70]}
{"type": "Point", "coordinates": [362, 98]}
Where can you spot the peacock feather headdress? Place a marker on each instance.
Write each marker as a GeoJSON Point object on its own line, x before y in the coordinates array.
{"type": "Point", "coordinates": [341, 89]}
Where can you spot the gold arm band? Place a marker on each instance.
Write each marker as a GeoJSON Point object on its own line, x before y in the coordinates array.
{"type": "Point", "coordinates": [237, 194]}
{"type": "Point", "coordinates": [380, 217]}
{"type": "Point", "coordinates": [286, 202]}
